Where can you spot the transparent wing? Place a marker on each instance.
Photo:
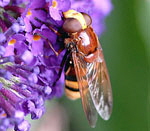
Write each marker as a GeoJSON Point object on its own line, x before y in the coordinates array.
{"type": "Point", "coordinates": [98, 87]}
{"type": "Point", "coordinates": [87, 102]}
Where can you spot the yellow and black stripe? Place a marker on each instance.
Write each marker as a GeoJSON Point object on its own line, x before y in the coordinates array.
{"type": "Point", "coordinates": [72, 89]}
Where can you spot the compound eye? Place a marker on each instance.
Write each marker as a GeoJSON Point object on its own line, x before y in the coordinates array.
{"type": "Point", "coordinates": [87, 18]}
{"type": "Point", "coordinates": [72, 25]}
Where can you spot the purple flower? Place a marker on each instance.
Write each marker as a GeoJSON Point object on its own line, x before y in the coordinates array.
{"type": "Point", "coordinates": [23, 126]}
{"type": "Point", "coordinates": [4, 2]}
{"type": "Point", "coordinates": [37, 44]}
{"type": "Point", "coordinates": [56, 7]}
{"type": "Point", "coordinates": [2, 37]}
{"type": "Point", "coordinates": [33, 11]}
{"type": "Point", "coordinates": [15, 45]}
{"type": "Point", "coordinates": [31, 54]}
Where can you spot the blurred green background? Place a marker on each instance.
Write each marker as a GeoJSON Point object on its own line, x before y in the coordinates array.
{"type": "Point", "coordinates": [126, 47]}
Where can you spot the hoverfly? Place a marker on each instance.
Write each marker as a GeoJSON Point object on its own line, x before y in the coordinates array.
{"type": "Point", "coordinates": [85, 71]}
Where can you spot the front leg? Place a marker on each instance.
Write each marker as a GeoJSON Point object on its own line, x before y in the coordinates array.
{"type": "Point", "coordinates": [67, 42]}
{"type": "Point", "coordinates": [70, 44]}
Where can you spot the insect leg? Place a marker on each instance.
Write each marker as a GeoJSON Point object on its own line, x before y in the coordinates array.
{"type": "Point", "coordinates": [48, 25]}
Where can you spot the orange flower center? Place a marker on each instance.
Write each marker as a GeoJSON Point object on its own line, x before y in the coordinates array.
{"type": "Point", "coordinates": [54, 3]}
{"type": "Point", "coordinates": [29, 13]}
{"type": "Point", "coordinates": [12, 42]}
{"type": "Point", "coordinates": [3, 115]}
{"type": "Point", "coordinates": [36, 37]}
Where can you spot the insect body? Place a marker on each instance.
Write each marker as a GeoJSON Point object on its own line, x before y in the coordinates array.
{"type": "Point", "coordinates": [86, 72]}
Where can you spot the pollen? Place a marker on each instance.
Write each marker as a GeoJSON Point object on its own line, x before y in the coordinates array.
{"type": "Point", "coordinates": [29, 13]}
{"type": "Point", "coordinates": [12, 42]}
{"type": "Point", "coordinates": [36, 37]}
{"type": "Point", "coordinates": [54, 4]}
{"type": "Point", "coordinates": [3, 115]}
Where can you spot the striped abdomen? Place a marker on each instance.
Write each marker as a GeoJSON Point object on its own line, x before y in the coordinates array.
{"type": "Point", "coordinates": [71, 87]}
